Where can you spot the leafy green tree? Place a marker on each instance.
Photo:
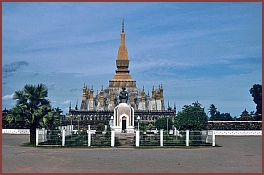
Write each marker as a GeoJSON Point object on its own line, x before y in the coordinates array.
{"type": "Point", "coordinates": [221, 117]}
{"type": "Point", "coordinates": [226, 117]}
{"type": "Point", "coordinates": [256, 93]}
{"type": "Point", "coordinates": [161, 123]}
{"type": "Point", "coordinates": [192, 117]}
{"type": "Point", "coordinates": [197, 104]}
{"type": "Point", "coordinates": [33, 107]}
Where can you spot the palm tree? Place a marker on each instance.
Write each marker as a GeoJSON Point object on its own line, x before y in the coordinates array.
{"type": "Point", "coordinates": [16, 118]}
{"type": "Point", "coordinates": [34, 107]}
{"type": "Point", "coordinates": [51, 117]}
{"type": "Point", "coordinates": [213, 111]}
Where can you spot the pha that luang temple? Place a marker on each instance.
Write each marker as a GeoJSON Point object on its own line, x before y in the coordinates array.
{"type": "Point", "coordinates": [104, 104]}
{"type": "Point", "coordinates": [108, 98]}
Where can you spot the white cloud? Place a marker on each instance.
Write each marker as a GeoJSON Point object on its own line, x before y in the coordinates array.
{"type": "Point", "coordinates": [66, 102]}
{"type": "Point", "coordinates": [178, 45]}
{"type": "Point", "coordinates": [8, 97]}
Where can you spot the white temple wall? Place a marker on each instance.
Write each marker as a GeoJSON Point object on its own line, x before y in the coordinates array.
{"type": "Point", "coordinates": [159, 106]}
{"type": "Point", "coordinates": [90, 105]}
{"type": "Point", "coordinates": [99, 107]}
{"type": "Point", "coordinates": [141, 106]}
{"type": "Point", "coordinates": [152, 105]}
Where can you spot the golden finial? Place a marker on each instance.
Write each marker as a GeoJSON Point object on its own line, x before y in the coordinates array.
{"type": "Point", "coordinates": [123, 30]}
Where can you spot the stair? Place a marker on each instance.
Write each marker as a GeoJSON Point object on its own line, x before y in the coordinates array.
{"type": "Point", "coordinates": [125, 139]}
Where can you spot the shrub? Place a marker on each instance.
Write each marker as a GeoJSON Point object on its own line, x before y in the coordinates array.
{"type": "Point", "coordinates": [161, 123]}
{"type": "Point", "coordinates": [100, 127]}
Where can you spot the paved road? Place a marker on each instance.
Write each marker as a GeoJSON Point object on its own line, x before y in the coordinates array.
{"type": "Point", "coordinates": [237, 154]}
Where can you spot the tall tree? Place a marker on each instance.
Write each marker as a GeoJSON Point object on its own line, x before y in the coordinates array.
{"type": "Point", "coordinates": [256, 93]}
{"type": "Point", "coordinates": [32, 104]}
{"type": "Point", "coordinates": [225, 117]}
{"type": "Point", "coordinates": [192, 117]}
{"type": "Point", "coordinates": [16, 118]}
{"type": "Point", "coordinates": [217, 116]}
{"type": "Point", "coordinates": [212, 111]}
{"type": "Point", "coordinates": [197, 104]}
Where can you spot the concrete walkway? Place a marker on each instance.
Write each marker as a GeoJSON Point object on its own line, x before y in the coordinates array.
{"type": "Point", "coordinates": [237, 155]}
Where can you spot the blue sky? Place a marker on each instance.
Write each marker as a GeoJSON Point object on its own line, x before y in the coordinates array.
{"type": "Point", "coordinates": [210, 52]}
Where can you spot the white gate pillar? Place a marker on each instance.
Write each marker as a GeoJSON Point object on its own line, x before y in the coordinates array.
{"type": "Point", "coordinates": [89, 137]}
{"type": "Point", "coordinates": [63, 137]}
{"type": "Point", "coordinates": [161, 137]}
{"type": "Point", "coordinates": [137, 138]}
{"type": "Point", "coordinates": [112, 138]}
{"type": "Point", "coordinates": [187, 137]}
{"type": "Point", "coordinates": [213, 138]}
{"type": "Point", "coordinates": [37, 136]}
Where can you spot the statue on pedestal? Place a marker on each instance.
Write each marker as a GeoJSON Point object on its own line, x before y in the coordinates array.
{"type": "Point", "coordinates": [123, 96]}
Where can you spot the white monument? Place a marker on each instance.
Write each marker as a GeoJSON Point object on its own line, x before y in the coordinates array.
{"type": "Point", "coordinates": [123, 118]}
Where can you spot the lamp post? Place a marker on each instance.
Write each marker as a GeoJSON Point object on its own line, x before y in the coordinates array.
{"type": "Point", "coordinates": [111, 120]}
{"type": "Point", "coordinates": [60, 120]}
{"type": "Point", "coordinates": [167, 124]}
{"type": "Point", "coordinates": [71, 123]}
{"type": "Point", "coordinates": [78, 123]}
{"type": "Point", "coordinates": [138, 118]}
{"type": "Point", "coordinates": [71, 126]}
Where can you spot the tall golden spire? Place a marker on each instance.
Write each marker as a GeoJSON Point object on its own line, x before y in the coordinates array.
{"type": "Point", "coordinates": [122, 77]}
{"type": "Point", "coordinates": [122, 51]}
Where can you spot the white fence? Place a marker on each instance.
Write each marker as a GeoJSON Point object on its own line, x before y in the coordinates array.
{"type": "Point", "coordinates": [217, 132]}
{"type": "Point", "coordinates": [186, 138]}
{"type": "Point", "coordinates": [41, 136]}
{"type": "Point", "coordinates": [15, 131]}
{"type": "Point", "coordinates": [238, 132]}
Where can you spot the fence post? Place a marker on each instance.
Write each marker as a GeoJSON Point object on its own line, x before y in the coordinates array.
{"type": "Point", "coordinates": [213, 138]}
{"type": "Point", "coordinates": [206, 140]}
{"type": "Point", "coordinates": [112, 138]}
{"type": "Point", "coordinates": [89, 137]}
{"type": "Point", "coordinates": [43, 135]}
{"type": "Point", "coordinates": [161, 137]}
{"type": "Point", "coordinates": [46, 135]}
{"type": "Point", "coordinates": [137, 138]}
{"type": "Point", "coordinates": [37, 135]}
{"type": "Point", "coordinates": [187, 137]}
{"type": "Point", "coordinates": [63, 137]}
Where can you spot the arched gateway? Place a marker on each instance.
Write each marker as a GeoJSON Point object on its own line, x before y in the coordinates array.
{"type": "Point", "coordinates": [123, 118]}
